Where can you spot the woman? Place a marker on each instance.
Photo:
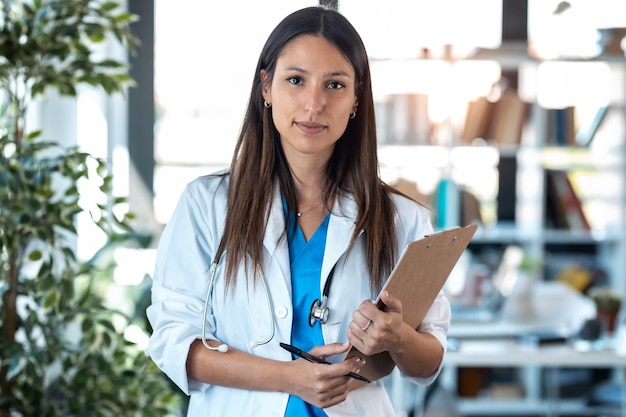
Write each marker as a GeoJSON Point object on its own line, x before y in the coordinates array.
{"type": "Point", "coordinates": [248, 250]}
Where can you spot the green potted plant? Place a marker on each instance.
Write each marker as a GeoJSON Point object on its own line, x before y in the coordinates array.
{"type": "Point", "coordinates": [608, 304]}
{"type": "Point", "coordinates": [62, 349]}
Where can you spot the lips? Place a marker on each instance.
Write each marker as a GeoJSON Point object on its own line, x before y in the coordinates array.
{"type": "Point", "coordinates": [310, 128]}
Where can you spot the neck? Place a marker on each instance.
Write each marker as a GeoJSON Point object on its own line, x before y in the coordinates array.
{"type": "Point", "coordinates": [301, 212]}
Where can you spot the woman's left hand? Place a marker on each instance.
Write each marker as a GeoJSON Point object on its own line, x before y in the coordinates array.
{"type": "Point", "coordinates": [372, 330]}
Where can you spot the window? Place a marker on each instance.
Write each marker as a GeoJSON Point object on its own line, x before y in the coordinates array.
{"type": "Point", "coordinates": [205, 55]}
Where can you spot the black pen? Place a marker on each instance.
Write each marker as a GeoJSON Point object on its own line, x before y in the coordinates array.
{"type": "Point", "coordinates": [307, 356]}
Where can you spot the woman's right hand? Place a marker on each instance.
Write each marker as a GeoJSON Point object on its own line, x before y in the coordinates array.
{"type": "Point", "coordinates": [323, 385]}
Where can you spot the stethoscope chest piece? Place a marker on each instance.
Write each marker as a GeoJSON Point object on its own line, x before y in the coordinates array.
{"type": "Point", "coordinates": [319, 309]}
{"type": "Point", "coordinates": [319, 312]}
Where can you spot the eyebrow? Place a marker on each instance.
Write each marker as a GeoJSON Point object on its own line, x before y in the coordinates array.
{"type": "Point", "coordinates": [329, 74]}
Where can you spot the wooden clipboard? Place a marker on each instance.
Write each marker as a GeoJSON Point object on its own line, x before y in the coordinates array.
{"type": "Point", "coordinates": [417, 278]}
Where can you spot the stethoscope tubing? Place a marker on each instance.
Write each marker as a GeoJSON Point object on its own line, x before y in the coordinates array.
{"type": "Point", "coordinates": [319, 310]}
{"type": "Point", "coordinates": [207, 301]}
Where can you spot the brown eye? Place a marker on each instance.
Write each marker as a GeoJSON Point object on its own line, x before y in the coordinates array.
{"type": "Point", "coordinates": [335, 85]}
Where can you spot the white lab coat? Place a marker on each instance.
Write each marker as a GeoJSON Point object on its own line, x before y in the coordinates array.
{"type": "Point", "coordinates": [243, 317]}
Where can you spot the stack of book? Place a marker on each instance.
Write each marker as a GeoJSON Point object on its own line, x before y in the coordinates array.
{"type": "Point", "coordinates": [500, 121]}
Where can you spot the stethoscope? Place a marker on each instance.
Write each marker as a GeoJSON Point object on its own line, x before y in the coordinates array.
{"type": "Point", "coordinates": [319, 309]}
{"type": "Point", "coordinates": [224, 347]}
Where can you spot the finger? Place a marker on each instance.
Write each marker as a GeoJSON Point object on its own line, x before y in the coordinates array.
{"type": "Point", "coordinates": [361, 319]}
{"type": "Point", "coordinates": [392, 304]}
{"type": "Point", "coordinates": [338, 398]}
{"type": "Point", "coordinates": [330, 349]}
{"type": "Point", "coordinates": [356, 336]}
{"type": "Point", "coordinates": [366, 326]}
{"type": "Point", "coordinates": [368, 308]}
{"type": "Point", "coordinates": [328, 399]}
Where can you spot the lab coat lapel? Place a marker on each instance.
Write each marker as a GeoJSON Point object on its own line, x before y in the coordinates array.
{"type": "Point", "coordinates": [274, 241]}
{"type": "Point", "coordinates": [340, 230]}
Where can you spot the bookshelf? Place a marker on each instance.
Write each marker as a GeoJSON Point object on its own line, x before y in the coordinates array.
{"type": "Point", "coordinates": [511, 179]}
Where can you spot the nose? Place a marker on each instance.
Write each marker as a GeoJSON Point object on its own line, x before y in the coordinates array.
{"type": "Point", "coordinates": [316, 101]}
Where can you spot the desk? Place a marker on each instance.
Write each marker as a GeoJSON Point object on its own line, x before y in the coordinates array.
{"type": "Point", "coordinates": [506, 352]}
{"type": "Point", "coordinates": [509, 353]}
{"type": "Point", "coordinates": [492, 345]}
{"type": "Point", "coordinates": [554, 307]}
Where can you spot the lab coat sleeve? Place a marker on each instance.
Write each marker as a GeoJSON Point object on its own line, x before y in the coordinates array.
{"type": "Point", "coordinates": [437, 323]}
{"type": "Point", "coordinates": [437, 319]}
{"type": "Point", "coordinates": [180, 279]}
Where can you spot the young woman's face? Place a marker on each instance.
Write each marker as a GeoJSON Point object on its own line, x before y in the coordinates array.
{"type": "Point", "coordinates": [312, 95]}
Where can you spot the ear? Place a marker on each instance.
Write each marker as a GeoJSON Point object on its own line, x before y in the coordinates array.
{"type": "Point", "coordinates": [265, 85]}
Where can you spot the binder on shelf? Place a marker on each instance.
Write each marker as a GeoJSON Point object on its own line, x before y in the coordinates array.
{"type": "Point", "coordinates": [416, 280]}
{"type": "Point", "coordinates": [447, 201]}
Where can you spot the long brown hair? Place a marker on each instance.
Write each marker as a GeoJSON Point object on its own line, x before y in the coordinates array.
{"type": "Point", "coordinates": [259, 164]}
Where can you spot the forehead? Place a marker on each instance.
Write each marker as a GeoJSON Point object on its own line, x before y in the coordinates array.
{"type": "Point", "coordinates": [314, 52]}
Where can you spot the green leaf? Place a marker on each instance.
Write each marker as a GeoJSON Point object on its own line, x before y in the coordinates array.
{"type": "Point", "coordinates": [106, 338]}
{"type": "Point", "coordinates": [108, 325]}
{"type": "Point", "coordinates": [51, 299]}
{"type": "Point", "coordinates": [125, 18]}
{"type": "Point", "coordinates": [109, 6]}
{"type": "Point", "coordinates": [111, 63]}
{"type": "Point", "coordinates": [34, 134]}
{"type": "Point", "coordinates": [96, 36]}
{"type": "Point", "coordinates": [35, 255]}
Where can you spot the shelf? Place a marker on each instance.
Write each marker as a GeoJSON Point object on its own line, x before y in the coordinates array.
{"type": "Point", "coordinates": [510, 55]}
{"type": "Point", "coordinates": [510, 184]}
{"type": "Point", "coordinates": [523, 407]}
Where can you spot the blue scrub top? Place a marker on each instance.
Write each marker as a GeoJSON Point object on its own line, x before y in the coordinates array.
{"type": "Point", "coordinates": [306, 268]}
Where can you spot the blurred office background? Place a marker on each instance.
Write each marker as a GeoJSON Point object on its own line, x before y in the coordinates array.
{"type": "Point", "coordinates": [484, 110]}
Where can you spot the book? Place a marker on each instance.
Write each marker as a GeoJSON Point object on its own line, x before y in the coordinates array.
{"type": "Point", "coordinates": [561, 126]}
{"type": "Point", "coordinates": [501, 121]}
{"type": "Point", "coordinates": [404, 119]}
{"type": "Point", "coordinates": [510, 115]}
{"type": "Point", "coordinates": [568, 204]}
{"type": "Point", "coordinates": [554, 214]}
{"type": "Point", "coordinates": [416, 280]}
{"type": "Point", "coordinates": [477, 120]}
